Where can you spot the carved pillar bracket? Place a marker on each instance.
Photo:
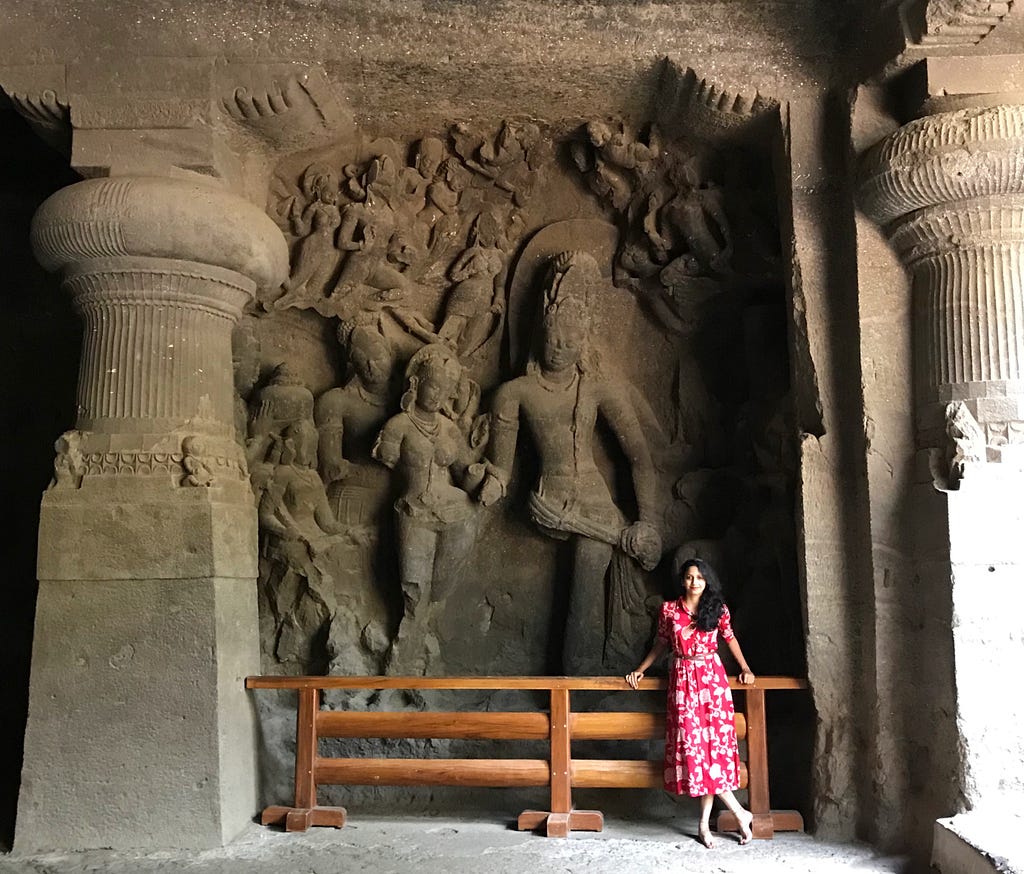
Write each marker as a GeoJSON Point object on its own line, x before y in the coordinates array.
{"type": "Point", "coordinates": [159, 269]}
{"type": "Point", "coordinates": [949, 191]}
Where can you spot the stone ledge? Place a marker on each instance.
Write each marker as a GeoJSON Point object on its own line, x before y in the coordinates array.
{"type": "Point", "coordinates": [979, 843]}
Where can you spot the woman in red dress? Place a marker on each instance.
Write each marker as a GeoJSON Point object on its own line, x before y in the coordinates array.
{"type": "Point", "coordinates": [701, 758]}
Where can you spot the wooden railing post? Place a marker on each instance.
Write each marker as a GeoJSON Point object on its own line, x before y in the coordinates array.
{"type": "Point", "coordinates": [305, 813]}
{"type": "Point", "coordinates": [766, 821]}
{"type": "Point", "coordinates": [757, 765]}
{"type": "Point", "coordinates": [561, 819]}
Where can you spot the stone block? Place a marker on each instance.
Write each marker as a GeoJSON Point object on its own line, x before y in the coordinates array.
{"type": "Point", "coordinates": [140, 732]}
{"type": "Point", "coordinates": [180, 534]}
{"type": "Point", "coordinates": [979, 843]}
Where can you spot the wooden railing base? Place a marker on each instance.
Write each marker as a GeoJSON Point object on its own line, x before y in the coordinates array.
{"type": "Point", "coordinates": [558, 825]}
{"type": "Point", "coordinates": [299, 819]}
{"type": "Point", "coordinates": [764, 825]}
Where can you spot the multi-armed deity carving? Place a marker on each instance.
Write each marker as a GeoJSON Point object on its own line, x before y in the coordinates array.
{"type": "Point", "coordinates": [679, 246]}
{"type": "Point", "coordinates": [401, 512]}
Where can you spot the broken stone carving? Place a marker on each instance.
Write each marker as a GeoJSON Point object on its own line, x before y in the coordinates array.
{"type": "Point", "coordinates": [69, 465]}
{"type": "Point", "coordinates": [297, 527]}
{"type": "Point", "coordinates": [679, 248]}
{"type": "Point", "coordinates": [961, 23]}
{"type": "Point", "coordinates": [434, 445]}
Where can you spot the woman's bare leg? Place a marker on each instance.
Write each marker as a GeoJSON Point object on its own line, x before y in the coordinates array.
{"type": "Point", "coordinates": [743, 817]}
{"type": "Point", "coordinates": [704, 829]}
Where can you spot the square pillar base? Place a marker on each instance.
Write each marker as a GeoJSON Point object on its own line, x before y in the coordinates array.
{"type": "Point", "coordinates": [140, 734]}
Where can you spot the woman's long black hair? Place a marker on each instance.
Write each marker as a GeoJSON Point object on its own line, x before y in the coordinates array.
{"type": "Point", "coordinates": [712, 602]}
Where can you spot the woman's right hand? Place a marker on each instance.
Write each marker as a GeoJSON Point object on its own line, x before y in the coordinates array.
{"type": "Point", "coordinates": [634, 678]}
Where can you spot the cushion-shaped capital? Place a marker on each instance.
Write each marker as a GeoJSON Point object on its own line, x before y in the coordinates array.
{"type": "Point", "coordinates": [152, 216]}
{"type": "Point", "coordinates": [943, 159]}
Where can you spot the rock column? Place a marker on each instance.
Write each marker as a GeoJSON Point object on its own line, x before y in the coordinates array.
{"type": "Point", "coordinates": [139, 731]}
{"type": "Point", "coordinates": [949, 190]}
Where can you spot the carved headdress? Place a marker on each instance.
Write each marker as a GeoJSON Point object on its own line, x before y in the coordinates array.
{"type": "Point", "coordinates": [565, 260]}
{"type": "Point", "coordinates": [434, 358]}
{"type": "Point", "coordinates": [572, 279]}
{"type": "Point", "coordinates": [572, 284]}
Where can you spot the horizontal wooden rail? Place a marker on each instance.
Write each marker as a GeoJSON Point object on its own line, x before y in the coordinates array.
{"type": "Point", "coordinates": [434, 772]}
{"type": "Point", "coordinates": [559, 727]}
{"type": "Point", "coordinates": [489, 726]}
{"type": "Point", "coordinates": [625, 774]}
{"type": "Point", "coordinates": [629, 726]}
{"type": "Point", "coordinates": [596, 684]}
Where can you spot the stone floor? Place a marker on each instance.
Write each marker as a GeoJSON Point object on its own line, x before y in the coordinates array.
{"type": "Point", "coordinates": [428, 844]}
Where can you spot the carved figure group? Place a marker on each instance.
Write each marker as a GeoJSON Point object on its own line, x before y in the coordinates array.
{"type": "Point", "coordinates": [409, 248]}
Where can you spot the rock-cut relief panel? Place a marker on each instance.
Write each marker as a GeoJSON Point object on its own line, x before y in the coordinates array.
{"type": "Point", "coordinates": [557, 356]}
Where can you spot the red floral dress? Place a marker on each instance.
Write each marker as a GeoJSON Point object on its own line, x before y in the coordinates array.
{"type": "Point", "coordinates": [701, 756]}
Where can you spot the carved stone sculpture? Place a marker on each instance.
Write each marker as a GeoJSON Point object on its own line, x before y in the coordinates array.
{"type": "Point", "coordinates": [283, 402]}
{"type": "Point", "coordinates": [349, 419]}
{"type": "Point", "coordinates": [475, 298]}
{"type": "Point", "coordinates": [315, 223]}
{"type": "Point", "coordinates": [368, 233]}
{"type": "Point", "coordinates": [69, 465]}
{"type": "Point", "coordinates": [560, 398]}
{"type": "Point", "coordinates": [437, 521]}
{"type": "Point", "coordinates": [297, 525]}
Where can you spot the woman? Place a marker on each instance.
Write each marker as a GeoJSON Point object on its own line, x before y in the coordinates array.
{"type": "Point", "coordinates": [701, 758]}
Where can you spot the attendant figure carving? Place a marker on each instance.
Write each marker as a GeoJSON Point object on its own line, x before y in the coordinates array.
{"type": "Point", "coordinates": [69, 463]}
{"type": "Point", "coordinates": [560, 399]}
{"type": "Point", "coordinates": [693, 224]}
{"type": "Point", "coordinates": [348, 420]}
{"type": "Point", "coordinates": [476, 298]}
{"type": "Point", "coordinates": [368, 233]}
{"type": "Point", "coordinates": [315, 258]}
{"type": "Point", "coordinates": [432, 444]}
{"type": "Point", "coordinates": [282, 402]}
{"type": "Point", "coordinates": [297, 527]}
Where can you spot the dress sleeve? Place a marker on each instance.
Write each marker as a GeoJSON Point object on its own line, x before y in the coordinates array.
{"type": "Point", "coordinates": [665, 623]}
{"type": "Point", "coordinates": [725, 624]}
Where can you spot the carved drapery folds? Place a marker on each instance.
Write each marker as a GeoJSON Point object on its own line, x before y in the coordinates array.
{"type": "Point", "coordinates": [949, 190]}
{"type": "Point", "coordinates": [159, 270]}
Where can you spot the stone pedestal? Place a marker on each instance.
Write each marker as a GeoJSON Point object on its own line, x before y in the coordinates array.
{"type": "Point", "coordinates": [139, 730]}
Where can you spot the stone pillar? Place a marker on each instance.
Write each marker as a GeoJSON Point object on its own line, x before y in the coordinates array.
{"type": "Point", "coordinates": [139, 732]}
{"type": "Point", "coordinates": [949, 191]}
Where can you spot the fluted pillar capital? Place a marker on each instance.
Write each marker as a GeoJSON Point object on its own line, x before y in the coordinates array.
{"type": "Point", "coordinates": [948, 190]}
{"type": "Point", "coordinates": [944, 159]}
{"type": "Point", "coordinates": [158, 217]}
{"type": "Point", "coordinates": [160, 270]}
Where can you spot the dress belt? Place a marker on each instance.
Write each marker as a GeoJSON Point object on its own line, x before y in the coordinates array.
{"type": "Point", "coordinates": [697, 659]}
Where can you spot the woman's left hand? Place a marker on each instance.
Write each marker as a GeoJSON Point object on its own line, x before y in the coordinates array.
{"type": "Point", "coordinates": [747, 678]}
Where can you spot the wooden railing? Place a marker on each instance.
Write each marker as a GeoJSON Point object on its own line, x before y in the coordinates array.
{"type": "Point", "coordinates": [559, 728]}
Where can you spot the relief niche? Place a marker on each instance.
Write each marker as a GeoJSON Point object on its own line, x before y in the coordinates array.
{"type": "Point", "coordinates": [512, 369]}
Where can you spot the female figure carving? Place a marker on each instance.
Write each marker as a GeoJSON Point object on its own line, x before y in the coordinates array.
{"type": "Point", "coordinates": [437, 521]}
